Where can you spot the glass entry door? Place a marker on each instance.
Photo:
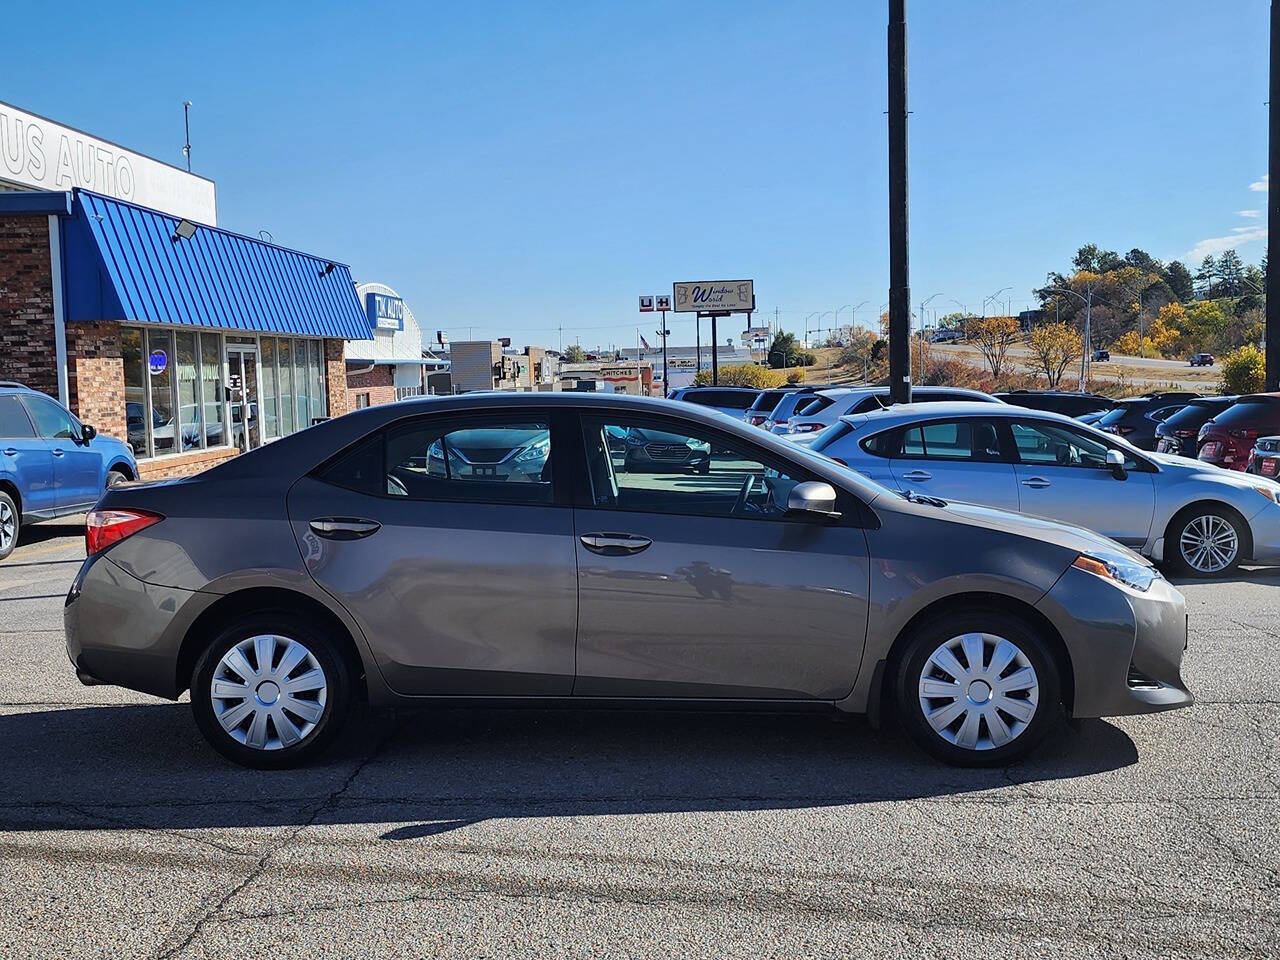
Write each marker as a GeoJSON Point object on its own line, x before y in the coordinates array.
{"type": "Point", "coordinates": [242, 396]}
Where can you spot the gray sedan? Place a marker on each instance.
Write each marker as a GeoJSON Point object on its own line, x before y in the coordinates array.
{"type": "Point", "coordinates": [1197, 518]}
{"type": "Point", "coordinates": [341, 564]}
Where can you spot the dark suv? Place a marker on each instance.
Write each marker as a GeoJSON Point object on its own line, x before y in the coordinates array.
{"type": "Point", "coordinates": [1177, 434]}
{"type": "Point", "coordinates": [1227, 440]}
{"type": "Point", "coordinates": [759, 411]}
{"type": "Point", "coordinates": [1066, 402]}
{"type": "Point", "coordinates": [1136, 418]}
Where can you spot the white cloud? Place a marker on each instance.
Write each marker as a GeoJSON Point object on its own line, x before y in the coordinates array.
{"type": "Point", "coordinates": [1260, 186]}
{"type": "Point", "coordinates": [1251, 214]}
{"type": "Point", "coordinates": [1215, 245]}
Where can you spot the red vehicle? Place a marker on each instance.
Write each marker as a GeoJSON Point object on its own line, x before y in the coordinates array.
{"type": "Point", "coordinates": [1227, 440]}
{"type": "Point", "coordinates": [1266, 458]}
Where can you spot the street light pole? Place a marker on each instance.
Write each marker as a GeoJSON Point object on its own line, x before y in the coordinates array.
{"type": "Point", "coordinates": [1272, 342]}
{"type": "Point", "coordinates": [899, 243]}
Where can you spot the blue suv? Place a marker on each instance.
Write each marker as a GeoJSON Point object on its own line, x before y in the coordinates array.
{"type": "Point", "coordinates": [50, 464]}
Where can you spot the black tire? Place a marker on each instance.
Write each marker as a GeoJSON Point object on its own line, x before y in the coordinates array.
{"type": "Point", "coordinates": [11, 517]}
{"type": "Point", "coordinates": [1176, 560]}
{"type": "Point", "coordinates": [337, 695]}
{"type": "Point", "coordinates": [114, 477]}
{"type": "Point", "coordinates": [911, 667]}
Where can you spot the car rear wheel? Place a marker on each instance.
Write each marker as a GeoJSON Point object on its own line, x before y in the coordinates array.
{"type": "Point", "coordinates": [978, 688]}
{"type": "Point", "coordinates": [271, 691]}
{"type": "Point", "coordinates": [10, 524]}
{"type": "Point", "coordinates": [114, 477]}
{"type": "Point", "coordinates": [1206, 541]}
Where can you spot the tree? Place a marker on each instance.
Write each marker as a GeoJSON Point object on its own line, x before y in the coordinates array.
{"type": "Point", "coordinates": [1143, 261]}
{"type": "Point", "coordinates": [1231, 272]}
{"type": "Point", "coordinates": [1207, 275]}
{"type": "Point", "coordinates": [1054, 346]}
{"type": "Point", "coordinates": [575, 354]}
{"type": "Point", "coordinates": [1094, 259]}
{"type": "Point", "coordinates": [785, 351]}
{"type": "Point", "coordinates": [1244, 370]}
{"type": "Point", "coordinates": [1179, 279]}
{"type": "Point", "coordinates": [994, 336]}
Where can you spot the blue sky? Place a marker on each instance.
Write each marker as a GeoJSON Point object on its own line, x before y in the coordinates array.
{"type": "Point", "coordinates": [514, 167]}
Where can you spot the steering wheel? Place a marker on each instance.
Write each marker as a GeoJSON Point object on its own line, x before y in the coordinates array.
{"type": "Point", "coordinates": [739, 505]}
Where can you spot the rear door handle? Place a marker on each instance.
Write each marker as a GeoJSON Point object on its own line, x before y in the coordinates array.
{"type": "Point", "coordinates": [10, 451]}
{"type": "Point", "coordinates": [915, 475]}
{"type": "Point", "coordinates": [1039, 483]}
{"type": "Point", "coordinates": [57, 451]}
{"type": "Point", "coordinates": [614, 544]}
{"type": "Point", "coordinates": [344, 528]}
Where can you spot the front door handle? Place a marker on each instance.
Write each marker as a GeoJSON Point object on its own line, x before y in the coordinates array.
{"type": "Point", "coordinates": [614, 544]}
{"type": "Point", "coordinates": [344, 528]}
{"type": "Point", "coordinates": [1038, 483]}
{"type": "Point", "coordinates": [58, 451]}
{"type": "Point", "coordinates": [10, 451]}
{"type": "Point", "coordinates": [915, 475]}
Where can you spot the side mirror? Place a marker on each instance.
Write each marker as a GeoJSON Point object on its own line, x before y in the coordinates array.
{"type": "Point", "coordinates": [1115, 460]}
{"type": "Point", "coordinates": [87, 432]}
{"type": "Point", "coordinates": [813, 497]}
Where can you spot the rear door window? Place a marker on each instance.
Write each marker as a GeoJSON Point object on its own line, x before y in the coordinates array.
{"type": "Point", "coordinates": [14, 422]}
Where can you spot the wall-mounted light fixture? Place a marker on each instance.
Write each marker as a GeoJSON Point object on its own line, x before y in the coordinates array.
{"type": "Point", "coordinates": [328, 269]}
{"type": "Point", "coordinates": [185, 230]}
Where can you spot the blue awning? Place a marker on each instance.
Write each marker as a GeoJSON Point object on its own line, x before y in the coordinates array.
{"type": "Point", "coordinates": [123, 264]}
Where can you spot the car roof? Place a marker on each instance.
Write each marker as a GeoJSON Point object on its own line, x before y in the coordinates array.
{"type": "Point", "coordinates": [13, 386]}
{"type": "Point", "coordinates": [709, 387]}
{"type": "Point", "coordinates": [910, 412]}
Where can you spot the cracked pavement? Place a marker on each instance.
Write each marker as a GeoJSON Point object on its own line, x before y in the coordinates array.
{"type": "Point", "coordinates": [469, 833]}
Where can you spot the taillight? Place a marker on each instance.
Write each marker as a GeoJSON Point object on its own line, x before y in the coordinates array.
{"type": "Point", "coordinates": [779, 423]}
{"type": "Point", "coordinates": [1243, 434]}
{"type": "Point", "coordinates": [806, 427]}
{"type": "Point", "coordinates": [1184, 433]}
{"type": "Point", "coordinates": [105, 528]}
{"type": "Point", "coordinates": [1124, 431]}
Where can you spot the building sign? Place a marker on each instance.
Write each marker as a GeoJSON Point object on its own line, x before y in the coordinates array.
{"type": "Point", "coordinates": [715, 296]}
{"type": "Point", "coordinates": [158, 362]}
{"type": "Point", "coordinates": [646, 304]}
{"type": "Point", "coordinates": [662, 302]}
{"type": "Point", "coordinates": [38, 154]}
{"type": "Point", "coordinates": [384, 312]}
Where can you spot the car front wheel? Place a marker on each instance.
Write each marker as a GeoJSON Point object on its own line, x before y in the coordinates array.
{"type": "Point", "coordinates": [978, 688]}
{"type": "Point", "coordinates": [1206, 541]}
{"type": "Point", "coordinates": [271, 691]}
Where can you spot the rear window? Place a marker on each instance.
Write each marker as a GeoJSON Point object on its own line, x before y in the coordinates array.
{"type": "Point", "coordinates": [1194, 414]}
{"type": "Point", "coordinates": [1116, 414]}
{"type": "Point", "coordinates": [830, 435]}
{"type": "Point", "coordinates": [767, 401]}
{"type": "Point", "coordinates": [13, 419]}
{"type": "Point", "coordinates": [1250, 411]}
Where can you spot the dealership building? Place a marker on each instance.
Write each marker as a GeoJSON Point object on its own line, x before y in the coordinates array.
{"type": "Point", "coordinates": [121, 296]}
{"type": "Point", "coordinates": [390, 364]}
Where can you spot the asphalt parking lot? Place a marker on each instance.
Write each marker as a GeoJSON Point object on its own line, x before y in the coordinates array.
{"type": "Point", "coordinates": [468, 834]}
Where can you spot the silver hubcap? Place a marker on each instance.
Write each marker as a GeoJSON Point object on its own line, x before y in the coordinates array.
{"type": "Point", "coordinates": [978, 691]}
{"type": "Point", "coordinates": [8, 526]}
{"type": "Point", "coordinates": [1209, 544]}
{"type": "Point", "coordinates": [268, 692]}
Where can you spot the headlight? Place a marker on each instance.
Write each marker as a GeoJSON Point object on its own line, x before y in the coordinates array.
{"type": "Point", "coordinates": [537, 451]}
{"type": "Point", "coordinates": [1118, 567]}
{"type": "Point", "coordinates": [1269, 493]}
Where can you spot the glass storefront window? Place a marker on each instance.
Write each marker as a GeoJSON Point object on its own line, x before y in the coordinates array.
{"type": "Point", "coordinates": [160, 358]}
{"type": "Point", "coordinates": [316, 366]}
{"type": "Point", "coordinates": [270, 417]}
{"type": "Point", "coordinates": [303, 381]}
{"type": "Point", "coordinates": [211, 383]}
{"type": "Point", "coordinates": [135, 391]}
{"type": "Point", "coordinates": [188, 382]}
{"type": "Point", "coordinates": [287, 405]}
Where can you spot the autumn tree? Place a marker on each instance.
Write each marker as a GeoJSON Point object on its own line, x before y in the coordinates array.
{"type": "Point", "coordinates": [1054, 347]}
{"type": "Point", "coordinates": [1244, 370]}
{"type": "Point", "coordinates": [994, 336]}
{"type": "Point", "coordinates": [574, 354]}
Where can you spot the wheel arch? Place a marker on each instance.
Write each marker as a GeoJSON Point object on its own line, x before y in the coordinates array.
{"type": "Point", "coordinates": [949, 606]}
{"type": "Point", "coordinates": [256, 600]}
{"type": "Point", "coordinates": [1202, 503]}
{"type": "Point", "coordinates": [11, 488]}
{"type": "Point", "coordinates": [121, 465]}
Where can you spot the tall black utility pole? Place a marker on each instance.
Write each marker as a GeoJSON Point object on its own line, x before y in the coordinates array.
{"type": "Point", "coordinates": [899, 275]}
{"type": "Point", "coordinates": [1273, 207]}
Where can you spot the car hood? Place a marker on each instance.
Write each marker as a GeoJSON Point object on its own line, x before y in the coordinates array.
{"type": "Point", "coordinates": [1065, 535]}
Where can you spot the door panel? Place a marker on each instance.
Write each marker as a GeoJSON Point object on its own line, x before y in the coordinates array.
{"type": "Point", "coordinates": [454, 598]}
{"type": "Point", "coordinates": [693, 579]}
{"type": "Point", "coordinates": [77, 469]}
{"type": "Point", "coordinates": [1063, 476]}
{"type": "Point", "coordinates": [27, 458]}
{"type": "Point", "coordinates": [720, 607]}
{"type": "Point", "coordinates": [956, 460]}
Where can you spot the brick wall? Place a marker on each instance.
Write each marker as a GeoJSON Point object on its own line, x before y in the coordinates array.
{"type": "Point", "coordinates": [335, 376]}
{"type": "Point", "coordinates": [379, 383]}
{"type": "Point", "coordinates": [28, 352]}
{"type": "Point", "coordinates": [184, 464]}
{"type": "Point", "coordinates": [95, 377]}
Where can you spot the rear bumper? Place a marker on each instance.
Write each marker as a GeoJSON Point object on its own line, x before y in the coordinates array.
{"type": "Point", "coordinates": [1125, 647]}
{"type": "Point", "coordinates": [124, 632]}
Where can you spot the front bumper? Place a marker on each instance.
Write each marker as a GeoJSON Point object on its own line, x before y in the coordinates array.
{"type": "Point", "coordinates": [125, 632]}
{"type": "Point", "coordinates": [1125, 647]}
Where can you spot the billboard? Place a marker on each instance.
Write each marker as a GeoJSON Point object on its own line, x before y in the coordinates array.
{"type": "Point", "coordinates": [714, 296]}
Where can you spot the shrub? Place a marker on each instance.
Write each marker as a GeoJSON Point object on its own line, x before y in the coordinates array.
{"type": "Point", "coordinates": [1244, 370]}
{"type": "Point", "coordinates": [743, 375]}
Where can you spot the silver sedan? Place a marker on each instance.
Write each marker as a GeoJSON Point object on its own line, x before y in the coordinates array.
{"type": "Point", "coordinates": [1198, 519]}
